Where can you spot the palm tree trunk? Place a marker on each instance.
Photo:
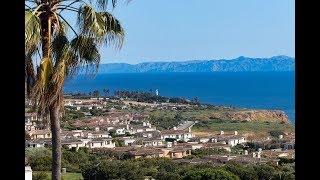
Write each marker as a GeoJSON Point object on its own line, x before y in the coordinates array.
{"type": "Point", "coordinates": [56, 142]}
{"type": "Point", "coordinates": [54, 107]}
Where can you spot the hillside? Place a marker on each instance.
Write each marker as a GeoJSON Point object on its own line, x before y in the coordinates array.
{"type": "Point", "coordinates": [276, 63]}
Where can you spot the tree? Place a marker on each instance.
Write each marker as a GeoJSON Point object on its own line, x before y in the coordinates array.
{"type": "Point", "coordinates": [95, 93]}
{"type": "Point", "coordinates": [209, 174]}
{"type": "Point", "coordinates": [106, 92]}
{"type": "Point", "coordinates": [61, 55]}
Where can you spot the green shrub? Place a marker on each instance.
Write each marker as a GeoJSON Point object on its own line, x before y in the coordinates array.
{"type": "Point", "coordinates": [276, 133]}
{"type": "Point", "coordinates": [209, 174]}
{"type": "Point", "coordinates": [41, 175]}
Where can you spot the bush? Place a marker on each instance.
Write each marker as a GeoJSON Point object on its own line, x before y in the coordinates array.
{"type": "Point", "coordinates": [243, 172]}
{"type": "Point", "coordinates": [41, 175]}
{"type": "Point", "coordinates": [168, 176]}
{"type": "Point", "coordinates": [276, 133]}
{"type": "Point", "coordinates": [285, 161]}
{"type": "Point", "coordinates": [209, 174]}
{"type": "Point", "coordinates": [39, 159]}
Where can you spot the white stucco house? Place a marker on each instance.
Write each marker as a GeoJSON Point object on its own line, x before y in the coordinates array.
{"type": "Point", "coordinates": [183, 135]}
{"type": "Point", "coordinates": [28, 173]}
{"type": "Point", "coordinates": [101, 143]}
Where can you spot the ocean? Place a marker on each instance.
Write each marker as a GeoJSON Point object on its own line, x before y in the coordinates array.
{"type": "Point", "coordinates": [256, 90]}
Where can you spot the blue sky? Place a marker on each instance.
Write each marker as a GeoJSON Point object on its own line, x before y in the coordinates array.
{"type": "Point", "coordinates": [179, 30]}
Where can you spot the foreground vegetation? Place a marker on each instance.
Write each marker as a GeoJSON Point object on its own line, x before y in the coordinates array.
{"type": "Point", "coordinates": [46, 175]}
{"type": "Point", "coordinates": [84, 163]}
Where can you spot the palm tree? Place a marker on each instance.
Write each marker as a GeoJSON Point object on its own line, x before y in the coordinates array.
{"type": "Point", "coordinates": [106, 92]}
{"type": "Point", "coordinates": [51, 54]}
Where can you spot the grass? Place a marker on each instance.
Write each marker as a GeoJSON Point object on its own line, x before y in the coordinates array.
{"type": "Point", "coordinates": [243, 127]}
{"type": "Point", "coordinates": [65, 176]}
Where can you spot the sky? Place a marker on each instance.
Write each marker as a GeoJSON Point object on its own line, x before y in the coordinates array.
{"type": "Point", "coordinates": [180, 30]}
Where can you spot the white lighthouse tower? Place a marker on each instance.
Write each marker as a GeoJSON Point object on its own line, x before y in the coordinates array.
{"type": "Point", "coordinates": [157, 92]}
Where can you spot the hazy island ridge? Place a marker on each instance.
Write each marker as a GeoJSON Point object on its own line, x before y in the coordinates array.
{"type": "Point", "coordinates": [240, 64]}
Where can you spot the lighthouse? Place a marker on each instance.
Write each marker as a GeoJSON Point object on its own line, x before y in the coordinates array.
{"type": "Point", "coordinates": [157, 92]}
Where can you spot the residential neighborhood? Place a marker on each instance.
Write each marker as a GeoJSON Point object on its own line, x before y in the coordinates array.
{"type": "Point", "coordinates": [119, 131]}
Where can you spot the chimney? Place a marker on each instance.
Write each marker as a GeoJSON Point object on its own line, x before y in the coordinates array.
{"type": "Point", "coordinates": [235, 132]}
{"type": "Point", "coordinates": [97, 129]}
{"type": "Point", "coordinates": [169, 144]}
{"type": "Point", "coordinates": [221, 133]}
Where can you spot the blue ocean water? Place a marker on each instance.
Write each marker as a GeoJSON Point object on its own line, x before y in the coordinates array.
{"type": "Point", "coordinates": [257, 90]}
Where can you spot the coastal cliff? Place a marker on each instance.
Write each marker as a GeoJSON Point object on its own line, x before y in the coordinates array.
{"type": "Point", "coordinates": [258, 115]}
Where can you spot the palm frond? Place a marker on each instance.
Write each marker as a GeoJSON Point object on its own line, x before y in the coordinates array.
{"type": "Point", "coordinates": [86, 49]}
{"type": "Point", "coordinates": [103, 4]}
{"type": "Point", "coordinates": [102, 26]}
{"type": "Point", "coordinates": [60, 41]}
{"type": "Point", "coordinates": [41, 89]}
{"type": "Point", "coordinates": [29, 74]}
{"type": "Point", "coordinates": [32, 30]}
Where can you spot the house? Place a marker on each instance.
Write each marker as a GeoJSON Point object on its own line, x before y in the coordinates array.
{"type": "Point", "coordinates": [277, 154]}
{"type": "Point", "coordinates": [176, 152]}
{"type": "Point", "coordinates": [230, 139]}
{"type": "Point", "coordinates": [128, 141]}
{"type": "Point", "coordinates": [99, 134]}
{"type": "Point", "coordinates": [118, 129]}
{"type": "Point", "coordinates": [101, 143]}
{"type": "Point", "coordinates": [39, 134]}
{"type": "Point", "coordinates": [28, 173]}
{"type": "Point", "coordinates": [146, 152]}
{"type": "Point", "coordinates": [190, 145]}
{"type": "Point", "coordinates": [141, 128]}
{"type": "Point", "coordinates": [226, 147]}
{"type": "Point", "coordinates": [199, 139]}
{"type": "Point", "coordinates": [183, 135]}
{"type": "Point", "coordinates": [289, 145]}
{"type": "Point", "coordinates": [149, 134]}
{"type": "Point", "coordinates": [151, 142]}
{"type": "Point", "coordinates": [36, 143]}
{"type": "Point", "coordinates": [72, 143]}
{"type": "Point", "coordinates": [72, 134]}
{"type": "Point", "coordinates": [30, 117]}
{"type": "Point", "coordinates": [29, 126]}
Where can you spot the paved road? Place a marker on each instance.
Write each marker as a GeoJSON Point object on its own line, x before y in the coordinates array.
{"type": "Point", "coordinates": [185, 125]}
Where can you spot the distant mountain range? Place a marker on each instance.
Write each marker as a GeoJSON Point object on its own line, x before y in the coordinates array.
{"type": "Point", "coordinates": [276, 63]}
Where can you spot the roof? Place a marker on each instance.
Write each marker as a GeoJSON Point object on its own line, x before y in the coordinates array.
{"type": "Point", "coordinates": [39, 141]}
{"type": "Point", "coordinates": [179, 149]}
{"type": "Point", "coordinates": [247, 159]}
{"type": "Point", "coordinates": [30, 114]}
{"type": "Point", "coordinates": [100, 139]}
{"type": "Point", "coordinates": [71, 141]}
{"type": "Point", "coordinates": [212, 145]}
{"type": "Point", "coordinates": [145, 151]}
{"type": "Point", "coordinates": [39, 132]}
{"type": "Point", "coordinates": [227, 137]}
{"type": "Point", "coordinates": [170, 132]}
